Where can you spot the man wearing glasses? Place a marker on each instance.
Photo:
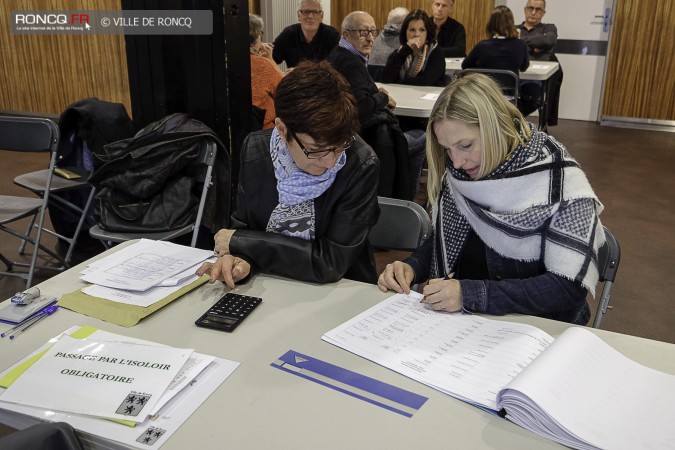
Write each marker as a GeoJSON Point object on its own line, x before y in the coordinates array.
{"type": "Point", "coordinates": [400, 153]}
{"type": "Point", "coordinates": [309, 39]}
{"type": "Point", "coordinates": [307, 194]}
{"type": "Point", "coordinates": [541, 39]}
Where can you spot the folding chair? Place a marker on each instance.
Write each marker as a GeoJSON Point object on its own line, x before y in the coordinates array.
{"type": "Point", "coordinates": [402, 225]}
{"type": "Point", "coordinates": [206, 158]}
{"type": "Point", "coordinates": [36, 182]}
{"type": "Point", "coordinates": [609, 257]}
{"type": "Point", "coordinates": [27, 134]}
{"type": "Point", "coordinates": [509, 81]}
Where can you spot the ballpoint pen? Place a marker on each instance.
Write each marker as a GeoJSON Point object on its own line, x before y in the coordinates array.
{"type": "Point", "coordinates": [22, 324]}
{"type": "Point", "coordinates": [48, 311]}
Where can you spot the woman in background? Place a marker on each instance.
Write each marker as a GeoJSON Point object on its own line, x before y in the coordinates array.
{"type": "Point", "coordinates": [503, 49]}
{"type": "Point", "coordinates": [419, 60]}
{"type": "Point", "coordinates": [265, 74]}
{"type": "Point", "coordinates": [516, 227]}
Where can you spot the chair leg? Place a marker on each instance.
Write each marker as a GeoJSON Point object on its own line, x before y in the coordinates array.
{"type": "Point", "coordinates": [9, 264]}
{"type": "Point", "coordinates": [29, 230]}
{"type": "Point", "coordinates": [603, 305]}
{"type": "Point", "coordinates": [83, 218]}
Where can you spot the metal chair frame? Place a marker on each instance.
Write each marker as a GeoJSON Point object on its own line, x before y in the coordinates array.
{"type": "Point", "coordinates": [28, 134]}
{"type": "Point", "coordinates": [609, 257]}
{"type": "Point", "coordinates": [207, 157]}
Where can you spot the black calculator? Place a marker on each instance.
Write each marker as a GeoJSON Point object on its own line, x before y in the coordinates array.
{"type": "Point", "coordinates": [228, 312]}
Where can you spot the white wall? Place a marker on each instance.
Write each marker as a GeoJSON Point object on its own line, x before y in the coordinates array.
{"type": "Point", "coordinates": [583, 74]}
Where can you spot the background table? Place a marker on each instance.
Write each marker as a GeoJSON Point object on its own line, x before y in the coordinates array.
{"type": "Point", "coordinates": [263, 407]}
{"type": "Point", "coordinates": [537, 71]}
{"type": "Point", "coordinates": [409, 101]}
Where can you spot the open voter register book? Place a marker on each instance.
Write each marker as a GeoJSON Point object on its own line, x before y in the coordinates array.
{"type": "Point", "coordinates": [575, 390]}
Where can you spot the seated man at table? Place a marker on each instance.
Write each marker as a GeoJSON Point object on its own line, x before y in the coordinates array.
{"type": "Point", "coordinates": [541, 39]}
{"type": "Point", "coordinates": [307, 194]}
{"type": "Point", "coordinates": [309, 39]}
{"type": "Point", "coordinates": [401, 154]}
{"type": "Point", "coordinates": [451, 35]}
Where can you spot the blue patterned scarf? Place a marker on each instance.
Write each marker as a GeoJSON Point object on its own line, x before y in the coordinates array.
{"type": "Point", "coordinates": [294, 215]}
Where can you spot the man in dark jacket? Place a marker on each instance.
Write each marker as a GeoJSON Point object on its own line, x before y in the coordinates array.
{"type": "Point", "coordinates": [401, 154]}
{"type": "Point", "coordinates": [541, 39]}
{"type": "Point", "coordinates": [308, 39]}
{"type": "Point", "coordinates": [307, 194]}
{"type": "Point", "coordinates": [451, 35]}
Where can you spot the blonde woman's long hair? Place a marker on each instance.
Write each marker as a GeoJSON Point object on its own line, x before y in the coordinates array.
{"type": "Point", "coordinates": [477, 100]}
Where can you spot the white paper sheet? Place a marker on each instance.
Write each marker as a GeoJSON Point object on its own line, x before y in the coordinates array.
{"type": "Point", "coordinates": [145, 264]}
{"type": "Point", "coordinates": [594, 394]}
{"type": "Point", "coordinates": [430, 96]}
{"type": "Point", "coordinates": [114, 380]}
{"type": "Point", "coordinates": [154, 431]}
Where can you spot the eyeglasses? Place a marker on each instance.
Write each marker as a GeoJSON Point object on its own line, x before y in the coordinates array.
{"type": "Point", "coordinates": [318, 154]}
{"type": "Point", "coordinates": [365, 33]}
{"type": "Point", "coordinates": [534, 9]}
{"type": "Point", "coordinates": [310, 12]}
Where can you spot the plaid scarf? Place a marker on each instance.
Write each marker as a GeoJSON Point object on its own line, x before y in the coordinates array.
{"type": "Point", "coordinates": [536, 206]}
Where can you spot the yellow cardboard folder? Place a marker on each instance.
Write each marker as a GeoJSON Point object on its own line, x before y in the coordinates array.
{"type": "Point", "coordinates": [120, 313]}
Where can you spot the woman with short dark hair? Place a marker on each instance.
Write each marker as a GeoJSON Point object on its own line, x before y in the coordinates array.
{"type": "Point", "coordinates": [419, 61]}
{"type": "Point", "coordinates": [307, 194]}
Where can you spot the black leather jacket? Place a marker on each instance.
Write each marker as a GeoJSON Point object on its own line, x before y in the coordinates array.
{"type": "Point", "coordinates": [344, 215]}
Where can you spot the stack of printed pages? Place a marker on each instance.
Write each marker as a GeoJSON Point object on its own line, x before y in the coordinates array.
{"type": "Point", "coordinates": [575, 390]}
{"type": "Point", "coordinates": [106, 385]}
{"type": "Point", "coordinates": [144, 272]}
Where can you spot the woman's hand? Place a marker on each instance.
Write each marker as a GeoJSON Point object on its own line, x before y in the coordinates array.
{"type": "Point", "coordinates": [222, 239]}
{"type": "Point", "coordinates": [415, 44]}
{"type": "Point", "coordinates": [229, 269]}
{"type": "Point", "coordinates": [396, 277]}
{"type": "Point", "coordinates": [265, 50]}
{"type": "Point", "coordinates": [443, 295]}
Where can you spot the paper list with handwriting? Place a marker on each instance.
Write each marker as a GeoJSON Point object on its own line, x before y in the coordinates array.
{"type": "Point", "coordinates": [575, 390]}
{"type": "Point", "coordinates": [466, 356]}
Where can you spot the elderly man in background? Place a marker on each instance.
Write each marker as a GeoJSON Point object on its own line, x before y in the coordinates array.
{"type": "Point", "coordinates": [309, 39]}
{"type": "Point", "coordinates": [387, 42]}
{"type": "Point", "coordinates": [401, 154]}
{"type": "Point", "coordinates": [541, 39]}
{"type": "Point", "coordinates": [451, 35]}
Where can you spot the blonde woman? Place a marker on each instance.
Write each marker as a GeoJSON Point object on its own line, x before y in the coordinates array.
{"type": "Point", "coordinates": [516, 227]}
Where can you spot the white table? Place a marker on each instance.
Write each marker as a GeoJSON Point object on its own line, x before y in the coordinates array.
{"type": "Point", "coordinates": [262, 407]}
{"type": "Point", "coordinates": [537, 71]}
{"type": "Point", "coordinates": [412, 101]}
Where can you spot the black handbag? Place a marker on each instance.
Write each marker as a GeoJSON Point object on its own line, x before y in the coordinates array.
{"type": "Point", "coordinates": [172, 207]}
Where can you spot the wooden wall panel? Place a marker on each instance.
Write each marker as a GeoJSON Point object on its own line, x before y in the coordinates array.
{"type": "Point", "coordinates": [473, 14]}
{"type": "Point", "coordinates": [639, 80]}
{"type": "Point", "coordinates": [46, 73]}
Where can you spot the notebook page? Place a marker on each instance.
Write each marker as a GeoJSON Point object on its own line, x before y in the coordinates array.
{"type": "Point", "coordinates": [466, 356]}
{"type": "Point", "coordinates": [599, 395]}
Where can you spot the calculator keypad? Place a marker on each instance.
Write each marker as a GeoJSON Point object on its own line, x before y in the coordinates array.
{"type": "Point", "coordinates": [228, 312]}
